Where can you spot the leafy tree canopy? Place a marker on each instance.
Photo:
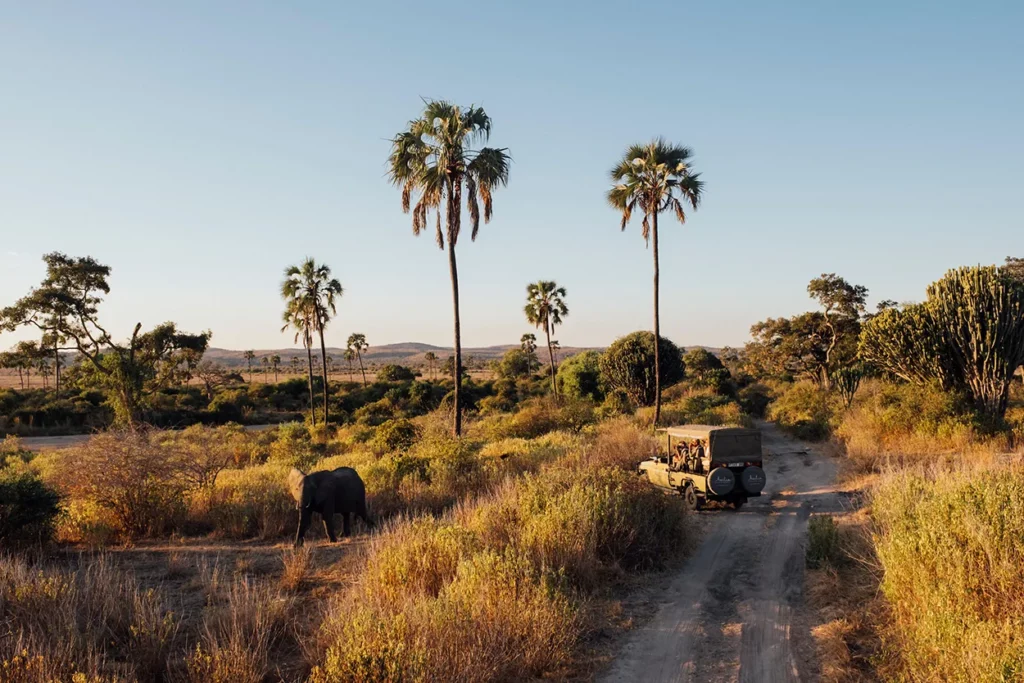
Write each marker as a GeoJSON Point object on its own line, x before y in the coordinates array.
{"type": "Point", "coordinates": [628, 364]}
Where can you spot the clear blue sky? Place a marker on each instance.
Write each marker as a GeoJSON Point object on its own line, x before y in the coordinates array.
{"type": "Point", "coordinates": [199, 148]}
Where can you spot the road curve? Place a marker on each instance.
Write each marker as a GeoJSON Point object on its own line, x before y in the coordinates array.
{"type": "Point", "coordinates": [55, 443]}
{"type": "Point", "coordinates": [728, 614]}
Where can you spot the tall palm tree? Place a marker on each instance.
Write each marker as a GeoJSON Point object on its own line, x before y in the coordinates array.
{"type": "Point", "coordinates": [299, 317]}
{"type": "Point", "coordinates": [249, 357]}
{"type": "Point", "coordinates": [275, 363]}
{"type": "Point", "coordinates": [265, 362]}
{"type": "Point", "coordinates": [312, 284]}
{"type": "Point", "coordinates": [528, 343]}
{"type": "Point", "coordinates": [357, 343]}
{"type": "Point", "coordinates": [431, 358]}
{"type": "Point", "coordinates": [653, 178]}
{"type": "Point", "coordinates": [545, 307]}
{"type": "Point", "coordinates": [350, 356]}
{"type": "Point", "coordinates": [435, 160]}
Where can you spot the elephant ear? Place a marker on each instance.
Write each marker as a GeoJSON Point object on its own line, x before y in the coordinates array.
{"type": "Point", "coordinates": [295, 480]}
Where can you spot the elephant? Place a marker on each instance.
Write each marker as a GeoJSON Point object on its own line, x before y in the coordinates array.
{"type": "Point", "coordinates": [340, 491]}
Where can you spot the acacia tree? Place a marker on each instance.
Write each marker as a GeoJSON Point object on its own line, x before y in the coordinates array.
{"type": "Point", "coordinates": [528, 343]}
{"type": "Point", "coordinates": [545, 307]}
{"type": "Point", "coordinates": [434, 160]}
{"type": "Point", "coordinates": [653, 178]}
{"type": "Point", "coordinates": [843, 305]}
{"type": "Point", "coordinates": [357, 343]}
{"type": "Point", "coordinates": [65, 307]}
{"type": "Point", "coordinates": [298, 317]}
{"type": "Point", "coordinates": [311, 285]}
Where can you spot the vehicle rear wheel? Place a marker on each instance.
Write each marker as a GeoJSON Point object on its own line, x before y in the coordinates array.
{"type": "Point", "coordinates": [690, 498]}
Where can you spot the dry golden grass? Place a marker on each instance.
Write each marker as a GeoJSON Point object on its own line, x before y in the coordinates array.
{"type": "Point", "coordinates": [296, 563]}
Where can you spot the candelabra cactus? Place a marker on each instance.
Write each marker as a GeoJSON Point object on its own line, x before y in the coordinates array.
{"type": "Point", "coordinates": [968, 335]}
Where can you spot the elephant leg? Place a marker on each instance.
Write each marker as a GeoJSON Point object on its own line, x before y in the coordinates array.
{"type": "Point", "coordinates": [328, 514]}
{"type": "Point", "coordinates": [365, 517]}
{"type": "Point", "coordinates": [305, 515]}
{"type": "Point", "coordinates": [346, 520]}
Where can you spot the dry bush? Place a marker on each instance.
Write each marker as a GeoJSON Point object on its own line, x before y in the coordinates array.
{"type": "Point", "coordinates": [296, 563]}
{"type": "Point", "coordinates": [952, 546]}
{"type": "Point", "coordinates": [128, 475]}
{"type": "Point", "coordinates": [898, 425]}
{"type": "Point", "coordinates": [94, 621]}
{"type": "Point", "coordinates": [844, 592]}
{"type": "Point", "coordinates": [620, 443]}
{"type": "Point", "coordinates": [252, 502]}
{"type": "Point", "coordinates": [491, 591]}
{"type": "Point", "coordinates": [239, 635]}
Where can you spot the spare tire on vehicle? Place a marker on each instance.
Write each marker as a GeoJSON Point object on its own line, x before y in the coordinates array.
{"type": "Point", "coordinates": [721, 481]}
{"type": "Point", "coordinates": [753, 479]}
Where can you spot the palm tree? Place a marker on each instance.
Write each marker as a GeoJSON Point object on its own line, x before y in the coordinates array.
{"type": "Point", "coordinates": [357, 343]}
{"type": "Point", "coordinates": [431, 358]}
{"type": "Point", "coordinates": [295, 364]}
{"type": "Point", "coordinates": [528, 343]}
{"type": "Point", "coordinates": [653, 178]}
{"type": "Point", "coordinates": [265, 362]}
{"type": "Point", "coordinates": [249, 357]}
{"type": "Point", "coordinates": [350, 356]}
{"type": "Point", "coordinates": [299, 317]}
{"type": "Point", "coordinates": [434, 159]}
{"type": "Point", "coordinates": [545, 307]}
{"type": "Point", "coordinates": [312, 284]}
{"type": "Point", "coordinates": [275, 363]}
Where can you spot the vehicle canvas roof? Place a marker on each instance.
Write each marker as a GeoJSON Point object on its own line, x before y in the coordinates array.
{"type": "Point", "coordinates": [704, 431]}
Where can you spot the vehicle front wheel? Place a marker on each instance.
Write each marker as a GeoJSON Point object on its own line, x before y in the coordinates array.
{"type": "Point", "coordinates": [690, 498]}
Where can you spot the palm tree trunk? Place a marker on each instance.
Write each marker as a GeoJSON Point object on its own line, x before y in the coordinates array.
{"type": "Point", "coordinates": [453, 222]}
{"type": "Point", "coordinates": [56, 365]}
{"type": "Point", "coordinates": [309, 365]}
{"type": "Point", "coordinates": [323, 357]}
{"type": "Point", "coordinates": [359, 355]}
{"type": "Point", "coordinates": [551, 357]}
{"type": "Point", "coordinates": [657, 326]}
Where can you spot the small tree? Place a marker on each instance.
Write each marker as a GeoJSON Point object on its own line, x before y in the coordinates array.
{"type": "Point", "coordinates": [528, 343]}
{"type": "Point", "coordinates": [628, 364]}
{"type": "Point", "coordinates": [357, 343]}
{"type": "Point", "coordinates": [843, 305]}
{"type": "Point", "coordinates": [250, 356]}
{"type": "Point", "coordinates": [431, 359]}
{"type": "Point", "coordinates": [275, 364]}
{"type": "Point", "coordinates": [545, 307]}
{"type": "Point", "coordinates": [579, 376]}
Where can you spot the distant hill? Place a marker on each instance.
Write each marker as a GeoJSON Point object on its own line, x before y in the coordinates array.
{"type": "Point", "coordinates": [404, 353]}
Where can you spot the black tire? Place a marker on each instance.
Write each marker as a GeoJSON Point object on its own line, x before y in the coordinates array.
{"type": "Point", "coordinates": [738, 503]}
{"type": "Point", "coordinates": [690, 498]}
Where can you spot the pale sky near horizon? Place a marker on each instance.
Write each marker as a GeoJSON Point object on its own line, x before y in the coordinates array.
{"type": "Point", "coordinates": [199, 148]}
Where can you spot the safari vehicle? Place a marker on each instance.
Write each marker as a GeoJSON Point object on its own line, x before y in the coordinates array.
{"type": "Point", "coordinates": [705, 463]}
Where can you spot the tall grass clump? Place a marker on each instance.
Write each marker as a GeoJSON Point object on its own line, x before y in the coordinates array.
{"type": "Point", "coordinates": [952, 546]}
{"type": "Point", "coordinates": [94, 622]}
{"type": "Point", "coordinates": [895, 424]}
{"type": "Point", "coordinates": [494, 589]}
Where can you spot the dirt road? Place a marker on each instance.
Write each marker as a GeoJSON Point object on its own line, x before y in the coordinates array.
{"type": "Point", "coordinates": [729, 615]}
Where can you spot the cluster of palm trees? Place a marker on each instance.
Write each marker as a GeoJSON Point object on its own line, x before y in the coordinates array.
{"type": "Point", "coordinates": [435, 162]}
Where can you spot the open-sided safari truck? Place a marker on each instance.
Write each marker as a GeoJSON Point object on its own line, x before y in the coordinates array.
{"type": "Point", "coordinates": [705, 463]}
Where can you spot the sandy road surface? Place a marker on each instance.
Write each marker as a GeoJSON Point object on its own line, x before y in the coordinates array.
{"type": "Point", "coordinates": [729, 614]}
{"type": "Point", "coordinates": [52, 443]}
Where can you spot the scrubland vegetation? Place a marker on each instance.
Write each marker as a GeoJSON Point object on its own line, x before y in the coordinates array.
{"type": "Point", "coordinates": [497, 548]}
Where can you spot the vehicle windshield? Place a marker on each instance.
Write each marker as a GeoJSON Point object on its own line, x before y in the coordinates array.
{"type": "Point", "coordinates": [725, 446]}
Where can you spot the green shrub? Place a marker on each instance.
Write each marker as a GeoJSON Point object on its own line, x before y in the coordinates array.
{"type": "Point", "coordinates": [628, 364]}
{"type": "Point", "coordinates": [754, 399]}
{"type": "Point", "coordinates": [395, 435]}
{"type": "Point", "coordinates": [804, 410]}
{"type": "Point", "coordinates": [28, 508]}
{"type": "Point", "coordinates": [295, 447]}
{"type": "Point", "coordinates": [395, 373]}
{"type": "Point", "coordinates": [579, 376]}
{"type": "Point", "coordinates": [822, 542]}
